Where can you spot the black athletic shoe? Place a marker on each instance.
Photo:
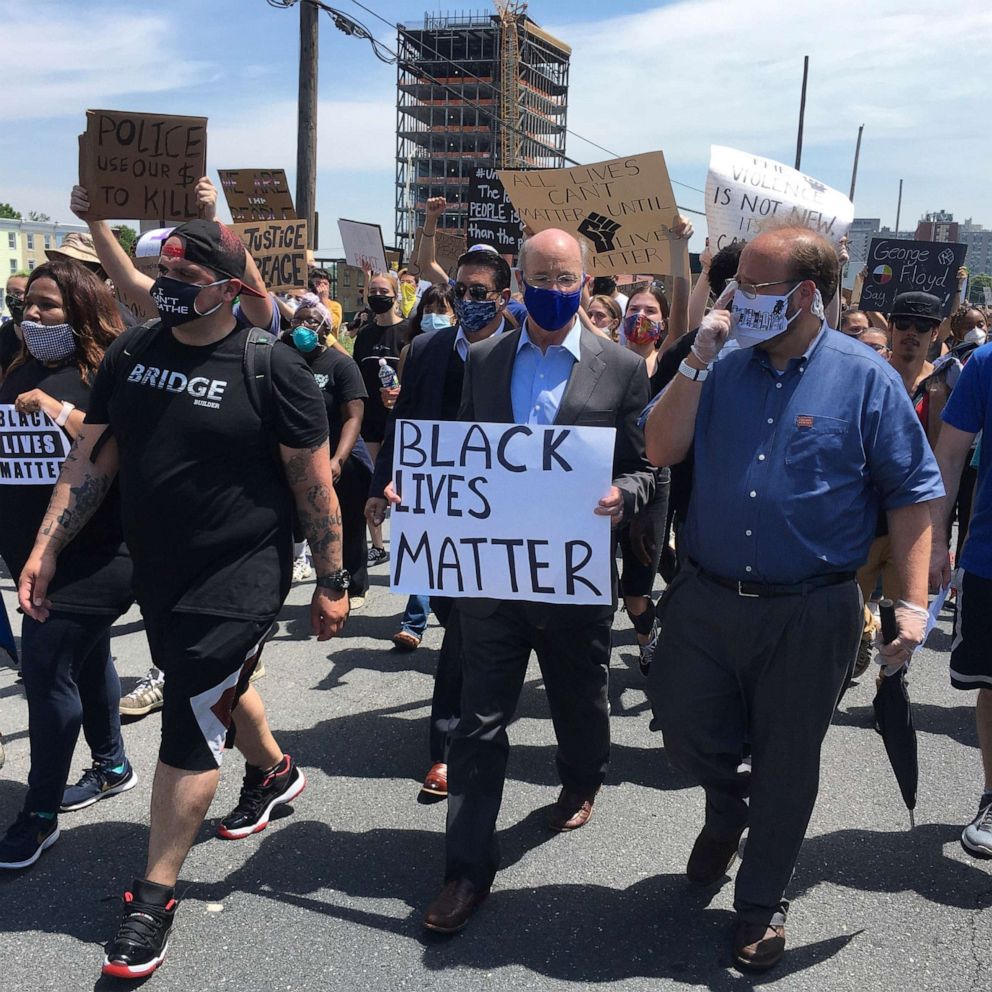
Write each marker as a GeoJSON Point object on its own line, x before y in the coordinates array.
{"type": "Point", "coordinates": [260, 794]}
{"type": "Point", "coordinates": [98, 782]}
{"type": "Point", "coordinates": [143, 937]}
{"type": "Point", "coordinates": [28, 836]}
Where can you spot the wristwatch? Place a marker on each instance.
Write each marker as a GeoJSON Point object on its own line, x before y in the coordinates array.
{"type": "Point", "coordinates": [339, 581]}
{"type": "Point", "coordinates": [697, 375]}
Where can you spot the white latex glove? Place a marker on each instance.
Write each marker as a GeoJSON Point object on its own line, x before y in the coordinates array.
{"type": "Point", "coordinates": [715, 328]}
{"type": "Point", "coordinates": [911, 622]}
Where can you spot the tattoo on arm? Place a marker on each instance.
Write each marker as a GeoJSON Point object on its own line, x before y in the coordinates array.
{"type": "Point", "coordinates": [71, 507]}
{"type": "Point", "coordinates": [316, 505]}
{"type": "Point", "coordinates": [297, 465]}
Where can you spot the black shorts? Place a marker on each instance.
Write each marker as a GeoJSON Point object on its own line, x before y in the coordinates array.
{"type": "Point", "coordinates": [373, 431]}
{"type": "Point", "coordinates": [971, 652]}
{"type": "Point", "coordinates": [207, 661]}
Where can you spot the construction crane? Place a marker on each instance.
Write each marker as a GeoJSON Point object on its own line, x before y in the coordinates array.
{"type": "Point", "coordinates": [510, 12]}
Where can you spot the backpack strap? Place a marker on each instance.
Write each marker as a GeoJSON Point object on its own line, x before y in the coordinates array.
{"type": "Point", "coordinates": [258, 374]}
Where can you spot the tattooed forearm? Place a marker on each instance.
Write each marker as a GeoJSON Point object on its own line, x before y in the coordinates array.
{"type": "Point", "coordinates": [321, 522]}
{"type": "Point", "coordinates": [70, 508]}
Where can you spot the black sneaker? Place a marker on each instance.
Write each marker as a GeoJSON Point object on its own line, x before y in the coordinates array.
{"type": "Point", "coordinates": [143, 936]}
{"type": "Point", "coordinates": [28, 836]}
{"type": "Point", "coordinates": [260, 794]}
{"type": "Point", "coordinates": [377, 556]}
{"type": "Point", "coordinates": [98, 782]}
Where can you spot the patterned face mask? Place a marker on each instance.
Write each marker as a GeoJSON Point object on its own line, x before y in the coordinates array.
{"type": "Point", "coordinates": [49, 343]}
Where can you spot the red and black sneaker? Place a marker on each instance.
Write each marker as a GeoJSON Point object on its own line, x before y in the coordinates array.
{"type": "Point", "coordinates": [261, 792]}
{"type": "Point", "coordinates": [143, 936]}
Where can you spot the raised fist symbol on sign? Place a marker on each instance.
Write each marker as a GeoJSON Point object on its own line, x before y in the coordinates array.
{"type": "Point", "coordinates": [600, 231]}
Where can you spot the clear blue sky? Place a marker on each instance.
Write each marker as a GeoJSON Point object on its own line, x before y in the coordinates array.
{"type": "Point", "coordinates": [645, 75]}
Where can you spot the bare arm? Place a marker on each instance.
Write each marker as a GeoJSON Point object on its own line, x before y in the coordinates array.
{"type": "Point", "coordinates": [308, 472]}
{"type": "Point", "coordinates": [700, 294]}
{"type": "Point", "coordinates": [427, 259]}
{"type": "Point", "coordinates": [81, 488]}
{"type": "Point", "coordinates": [952, 451]}
{"type": "Point", "coordinates": [678, 317]}
{"type": "Point", "coordinates": [909, 533]}
{"type": "Point", "coordinates": [351, 425]}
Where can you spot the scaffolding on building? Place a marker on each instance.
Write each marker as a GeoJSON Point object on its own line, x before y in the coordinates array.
{"type": "Point", "coordinates": [474, 90]}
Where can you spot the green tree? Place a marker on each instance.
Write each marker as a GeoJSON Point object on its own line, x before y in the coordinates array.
{"type": "Point", "coordinates": [7, 212]}
{"type": "Point", "coordinates": [40, 218]}
{"type": "Point", "coordinates": [126, 236]}
{"type": "Point", "coordinates": [976, 288]}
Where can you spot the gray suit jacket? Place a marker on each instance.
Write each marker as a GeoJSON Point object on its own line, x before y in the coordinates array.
{"type": "Point", "coordinates": [608, 387]}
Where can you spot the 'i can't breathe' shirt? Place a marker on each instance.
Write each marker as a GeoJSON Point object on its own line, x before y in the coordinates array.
{"type": "Point", "coordinates": [206, 508]}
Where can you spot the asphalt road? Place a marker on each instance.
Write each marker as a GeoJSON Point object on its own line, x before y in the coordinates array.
{"type": "Point", "coordinates": [331, 896]}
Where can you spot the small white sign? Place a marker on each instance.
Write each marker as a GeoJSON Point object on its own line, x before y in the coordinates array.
{"type": "Point", "coordinates": [32, 448]}
{"type": "Point", "coordinates": [363, 245]}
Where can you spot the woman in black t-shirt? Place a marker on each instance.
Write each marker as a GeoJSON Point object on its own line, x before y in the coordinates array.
{"type": "Point", "coordinates": [70, 318]}
{"type": "Point", "coordinates": [344, 393]}
{"type": "Point", "coordinates": [384, 337]}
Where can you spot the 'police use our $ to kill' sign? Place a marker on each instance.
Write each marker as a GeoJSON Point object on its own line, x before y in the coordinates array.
{"type": "Point", "coordinates": [502, 511]}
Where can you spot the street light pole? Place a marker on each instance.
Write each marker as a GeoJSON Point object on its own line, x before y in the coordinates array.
{"type": "Point", "coordinates": [306, 139]}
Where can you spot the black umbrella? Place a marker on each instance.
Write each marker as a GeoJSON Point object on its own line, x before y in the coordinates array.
{"type": "Point", "coordinates": [894, 719]}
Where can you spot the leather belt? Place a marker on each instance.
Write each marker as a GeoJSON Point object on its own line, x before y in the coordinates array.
{"type": "Point", "coordinates": [764, 590]}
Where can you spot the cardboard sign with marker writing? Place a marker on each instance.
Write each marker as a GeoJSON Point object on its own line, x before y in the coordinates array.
{"type": "Point", "coordinates": [279, 248]}
{"type": "Point", "coordinates": [142, 166]}
{"type": "Point", "coordinates": [449, 246]}
{"type": "Point", "coordinates": [744, 191]}
{"type": "Point", "coordinates": [623, 208]}
{"type": "Point", "coordinates": [363, 245]}
{"type": "Point", "coordinates": [257, 194]}
{"type": "Point", "coordinates": [896, 266]}
{"type": "Point", "coordinates": [491, 217]}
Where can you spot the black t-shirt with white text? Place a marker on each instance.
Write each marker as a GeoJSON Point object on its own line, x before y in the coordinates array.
{"type": "Point", "coordinates": [340, 382]}
{"type": "Point", "coordinates": [93, 574]}
{"type": "Point", "coordinates": [375, 342]}
{"type": "Point", "coordinates": [207, 511]}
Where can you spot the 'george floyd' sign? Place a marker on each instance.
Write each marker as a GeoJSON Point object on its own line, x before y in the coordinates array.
{"type": "Point", "coordinates": [896, 267]}
{"type": "Point", "coordinates": [745, 192]}
{"type": "Point", "coordinates": [623, 208]}
{"type": "Point", "coordinates": [484, 512]}
{"type": "Point", "coordinates": [142, 166]}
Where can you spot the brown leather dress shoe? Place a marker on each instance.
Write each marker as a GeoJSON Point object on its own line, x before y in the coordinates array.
{"type": "Point", "coordinates": [571, 810]}
{"type": "Point", "coordinates": [451, 910]}
{"type": "Point", "coordinates": [406, 641]}
{"type": "Point", "coordinates": [758, 946]}
{"type": "Point", "coordinates": [711, 858]}
{"type": "Point", "coordinates": [436, 782]}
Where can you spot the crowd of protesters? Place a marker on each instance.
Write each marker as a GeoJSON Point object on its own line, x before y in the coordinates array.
{"type": "Point", "coordinates": [782, 458]}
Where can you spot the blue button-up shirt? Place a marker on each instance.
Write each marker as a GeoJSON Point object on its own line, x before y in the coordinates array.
{"type": "Point", "coordinates": [792, 468]}
{"type": "Point", "coordinates": [539, 378]}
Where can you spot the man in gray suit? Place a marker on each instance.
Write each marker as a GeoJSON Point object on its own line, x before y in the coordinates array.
{"type": "Point", "coordinates": [551, 371]}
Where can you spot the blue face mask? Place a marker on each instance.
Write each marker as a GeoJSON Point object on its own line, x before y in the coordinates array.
{"type": "Point", "coordinates": [305, 339]}
{"type": "Point", "coordinates": [549, 308]}
{"type": "Point", "coordinates": [434, 321]}
{"type": "Point", "coordinates": [473, 315]}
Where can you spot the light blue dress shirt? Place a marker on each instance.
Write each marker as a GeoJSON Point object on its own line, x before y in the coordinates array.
{"type": "Point", "coordinates": [538, 382]}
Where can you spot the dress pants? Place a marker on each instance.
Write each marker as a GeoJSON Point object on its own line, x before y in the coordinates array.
{"type": "Point", "coordinates": [574, 663]}
{"type": "Point", "coordinates": [447, 695]}
{"type": "Point", "coordinates": [766, 671]}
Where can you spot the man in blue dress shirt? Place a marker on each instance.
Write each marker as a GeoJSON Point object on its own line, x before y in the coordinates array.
{"type": "Point", "coordinates": [799, 438]}
{"type": "Point", "coordinates": [551, 371]}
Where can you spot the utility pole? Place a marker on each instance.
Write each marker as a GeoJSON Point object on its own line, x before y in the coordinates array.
{"type": "Point", "coordinates": [306, 138]}
{"type": "Point", "coordinates": [802, 112]}
{"type": "Point", "coordinates": [899, 208]}
{"type": "Point", "coordinates": [857, 155]}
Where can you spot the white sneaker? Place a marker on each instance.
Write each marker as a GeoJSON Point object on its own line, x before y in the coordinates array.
{"type": "Point", "coordinates": [145, 696]}
{"type": "Point", "coordinates": [302, 569]}
{"type": "Point", "coordinates": [977, 836]}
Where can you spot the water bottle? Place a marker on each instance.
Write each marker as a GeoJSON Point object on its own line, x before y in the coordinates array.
{"type": "Point", "coordinates": [387, 375]}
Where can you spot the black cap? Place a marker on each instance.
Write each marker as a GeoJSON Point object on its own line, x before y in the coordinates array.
{"type": "Point", "coordinates": [210, 243]}
{"type": "Point", "coordinates": [917, 304]}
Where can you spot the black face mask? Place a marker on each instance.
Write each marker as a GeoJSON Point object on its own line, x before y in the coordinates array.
{"type": "Point", "coordinates": [381, 304]}
{"type": "Point", "coordinates": [15, 306]}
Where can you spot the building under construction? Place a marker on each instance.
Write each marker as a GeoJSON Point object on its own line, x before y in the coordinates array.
{"type": "Point", "coordinates": [474, 90]}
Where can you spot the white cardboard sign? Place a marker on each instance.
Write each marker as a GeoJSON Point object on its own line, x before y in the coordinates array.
{"type": "Point", "coordinates": [32, 448]}
{"type": "Point", "coordinates": [503, 511]}
{"type": "Point", "coordinates": [744, 192]}
{"type": "Point", "coordinates": [363, 245]}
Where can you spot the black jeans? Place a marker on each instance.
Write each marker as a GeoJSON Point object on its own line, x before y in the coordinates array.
{"type": "Point", "coordinates": [70, 680]}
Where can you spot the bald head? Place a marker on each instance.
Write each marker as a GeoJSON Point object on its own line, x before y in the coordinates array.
{"type": "Point", "coordinates": [550, 249]}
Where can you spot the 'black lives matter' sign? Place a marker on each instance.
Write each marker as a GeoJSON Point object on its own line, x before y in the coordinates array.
{"type": "Point", "coordinates": [142, 166]}
{"type": "Point", "coordinates": [32, 448]}
{"type": "Point", "coordinates": [491, 217]}
{"type": "Point", "coordinates": [896, 267]}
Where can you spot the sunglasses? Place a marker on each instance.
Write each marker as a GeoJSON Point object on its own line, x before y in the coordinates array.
{"type": "Point", "coordinates": [477, 293]}
{"type": "Point", "coordinates": [924, 326]}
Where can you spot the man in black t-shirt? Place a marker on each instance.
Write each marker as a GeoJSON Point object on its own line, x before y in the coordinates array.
{"type": "Point", "coordinates": [206, 505]}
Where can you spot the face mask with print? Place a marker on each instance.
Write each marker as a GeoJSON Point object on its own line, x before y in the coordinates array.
{"type": "Point", "coordinates": [473, 315]}
{"type": "Point", "coordinates": [49, 343]}
{"type": "Point", "coordinates": [16, 307]}
{"type": "Point", "coordinates": [761, 319]}
{"type": "Point", "coordinates": [408, 298]}
{"type": "Point", "coordinates": [435, 321]}
{"type": "Point", "coordinates": [639, 329]}
{"type": "Point", "coordinates": [175, 300]}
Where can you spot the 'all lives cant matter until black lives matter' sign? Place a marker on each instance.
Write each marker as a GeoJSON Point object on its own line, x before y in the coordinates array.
{"type": "Point", "coordinates": [32, 448]}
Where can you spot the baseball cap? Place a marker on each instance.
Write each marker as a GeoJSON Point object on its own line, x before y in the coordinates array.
{"type": "Point", "coordinates": [78, 245]}
{"type": "Point", "coordinates": [210, 243]}
{"type": "Point", "coordinates": [917, 304]}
